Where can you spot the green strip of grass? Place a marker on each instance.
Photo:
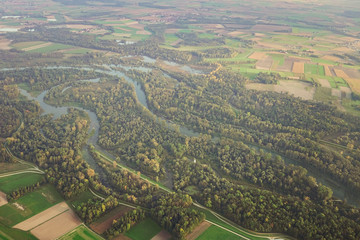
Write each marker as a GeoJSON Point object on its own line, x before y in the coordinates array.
{"type": "Point", "coordinates": [7, 233]}
{"type": "Point", "coordinates": [215, 233]}
{"type": "Point", "coordinates": [144, 230]}
{"type": "Point", "coordinates": [32, 203]}
{"type": "Point", "coordinates": [81, 233]}
{"type": "Point", "coordinates": [11, 183]}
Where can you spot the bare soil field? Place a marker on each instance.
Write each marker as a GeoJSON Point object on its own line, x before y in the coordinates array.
{"type": "Point", "coordinates": [171, 30]}
{"type": "Point", "coordinates": [57, 226]}
{"type": "Point", "coordinates": [3, 199]}
{"type": "Point", "coordinates": [331, 58]}
{"type": "Point", "coordinates": [162, 235]}
{"type": "Point", "coordinates": [257, 55]}
{"type": "Point", "coordinates": [101, 227]}
{"type": "Point", "coordinates": [4, 43]}
{"type": "Point", "coordinates": [44, 216]}
{"type": "Point", "coordinates": [354, 84]}
{"type": "Point", "coordinates": [336, 92]}
{"type": "Point", "coordinates": [352, 73]}
{"type": "Point", "coordinates": [346, 91]}
{"type": "Point", "coordinates": [198, 231]}
{"type": "Point", "coordinates": [37, 46]}
{"type": "Point", "coordinates": [80, 26]}
{"type": "Point", "coordinates": [270, 28]}
{"type": "Point", "coordinates": [343, 49]}
{"type": "Point", "coordinates": [298, 67]}
{"type": "Point", "coordinates": [235, 33]}
{"type": "Point", "coordinates": [340, 73]}
{"type": "Point", "coordinates": [327, 70]}
{"type": "Point", "coordinates": [324, 83]}
{"type": "Point", "coordinates": [176, 42]}
{"type": "Point", "coordinates": [287, 66]}
{"type": "Point", "coordinates": [121, 237]}
{"type": "Point", "coordinates": [143, 32]}
{"type": "Point", "coordinates": [265, 63]}
{"type": "Point", "coordinates": [297, 88]}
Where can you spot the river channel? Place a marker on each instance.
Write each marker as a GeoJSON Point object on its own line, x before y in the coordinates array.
{"type": "Point", "coordinates": [340, 191]}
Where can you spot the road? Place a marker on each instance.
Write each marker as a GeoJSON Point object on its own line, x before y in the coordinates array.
{"type": "Point", "coordinates": [218, 216]}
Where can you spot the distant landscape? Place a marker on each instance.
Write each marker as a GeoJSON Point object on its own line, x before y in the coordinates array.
{"type": "Point", "coordinates": [179, 119]}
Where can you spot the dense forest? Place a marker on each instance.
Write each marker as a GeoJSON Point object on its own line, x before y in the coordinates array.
{"type": "Point", "coordinates": [236, 164]}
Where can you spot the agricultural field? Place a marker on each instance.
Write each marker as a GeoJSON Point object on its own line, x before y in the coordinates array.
{"type": "Point", "coordinates": [269, 79]}
{"type": "Point", "coordinates": [29, 205]}
{"type": "Point", "coordinates": [11, 183]}
{"type": "Point", "coordinates": [214, 233]}
{"type": "Point", "coordinates": [81, 233]}
{"type": "Point", "coordinates": [105, 222]}
{"type": "Point", "coordinates": [144, 230]}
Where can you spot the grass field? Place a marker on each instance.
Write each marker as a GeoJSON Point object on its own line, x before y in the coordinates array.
{"type": "Point", "coordinates": [82, 197]}
{"type": "Point", "coordinates": [81, 233]}
{"type": "Point", "coordinates": [51, 48]}
{"type": "Point", "coordinates": [7, 233]}
{"type": "Point", "coordinates": [216, 233]}
{"type": "Point", "coordinates": [29, 205]}
{"type": "Point", "coordinates": [144, 230]}
{"type": "Point", "coordinates": [214, 219]}
{"type": "Point", "coordinates": [11, 183]}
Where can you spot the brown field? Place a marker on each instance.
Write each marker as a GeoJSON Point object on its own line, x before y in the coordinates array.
{"type": "Point", "coordinates": [257, 55]}
{"type": "Point", "coordinates": [171, 30]}
{"type": "Point", "coordinates": [57, 226]}
{"type": "Point", "coordinates": [354, 84]}
{"type": "Point", "coordinates": [298, 67]}
{"type": "Point", "coordinates": [352, 73]}
{"type": "Point", "coordinates": [324, 83]}
{"type": "Point", "coordinates": [198, 231]}
{"type": "Point", "coordinates": [4, 43]}
{"type": "Point", "coordinates": [37, 46]}
{"type": "Point", "coordinates": [346, 91]}
{"type": "Point", "coordinates": [101, 227]}
{"type": "Point", "coordinates": [331, 58]}
{"type": "Point", "coordinates": [272, 46]}
{"type": "Point", "coordinates": [340, 73]}
{"type": "Point", "coordinates": [343, 49]}
{"type": "Point", "coordinates": [121, 237]}
{"type": "Point", "coordinates": [80, 26]}
{"type": "Point", "coordinates": [42, 217]}
{"type": "Point", "coordinates": [297, 88]}
{"type": "Point", "coordinates": [162, 235]}
{"type": "Point", "coordinates": [270, 28]}
{"type": "Point", "coordinates": [336, 92]}
{"type": "Point", "coordinates": [3, 199]}
{"type": "Point", "coordinates": [287, 66]}
{"type": "Point", "coordinates": [176, 42]}
{"type": "Point", "coordinates": [235, 33]}
{"type": "Point", "coordinates": [327, 70]}
{"type": "Point", "coordinates": [265, 63]}
{"type": "Point", "coordinates": [143, 32]}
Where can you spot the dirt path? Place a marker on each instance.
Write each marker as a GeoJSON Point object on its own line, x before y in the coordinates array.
{"type": "Point", "coordinates": [198, 231]}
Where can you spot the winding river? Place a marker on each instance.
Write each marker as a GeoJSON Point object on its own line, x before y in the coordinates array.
{"type": "Point", "coordinates": [340, 190]}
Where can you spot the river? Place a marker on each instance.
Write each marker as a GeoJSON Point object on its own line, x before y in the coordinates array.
{"type": "Point", "coordinates": [340, 191]}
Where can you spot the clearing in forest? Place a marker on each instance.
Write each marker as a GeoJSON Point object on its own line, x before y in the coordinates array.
{"type": "Point", "coordinates": [104, 223]}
